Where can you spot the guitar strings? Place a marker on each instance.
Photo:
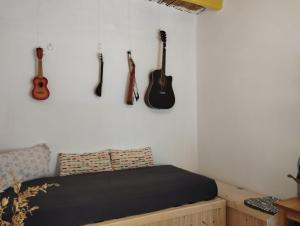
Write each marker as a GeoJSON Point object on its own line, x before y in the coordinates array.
{"type": "Point", "coordinates": [129, 24]}
{"type": "Point", "coordinates": [38, 8]}
{"type": "Point", "coordinates": [160, 28]}
{"type": "Point", "coordinates": [129, 38]}
{"type": "Point", "coordinates": [99, 27]}
{"type": "Point", "coordinates": [159, 18]}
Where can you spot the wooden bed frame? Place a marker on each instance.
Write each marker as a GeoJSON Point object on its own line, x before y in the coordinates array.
{"type": "Point", "coordinates": [209, 213]}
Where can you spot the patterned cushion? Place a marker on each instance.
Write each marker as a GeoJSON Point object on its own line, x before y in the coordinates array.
{"type": "Point", "coordinates": [71, 164]}
{"type": "Point", "coordinates": [26, 164]}
{"type": "Point", "coordinates": [129, 159]}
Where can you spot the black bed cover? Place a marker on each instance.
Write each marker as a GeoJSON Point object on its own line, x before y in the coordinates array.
{"type": "Point", "coordinates": [90, 198]}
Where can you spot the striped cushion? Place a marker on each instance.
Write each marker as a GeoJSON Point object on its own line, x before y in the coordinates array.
{"type": "Point", "coordinates": [71, 164]}
{"type": "Point", "coordinates": [129, 159]}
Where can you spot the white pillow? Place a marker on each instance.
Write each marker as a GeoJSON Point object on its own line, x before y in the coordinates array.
{"type": "Point", "coordinates": [25, 163]}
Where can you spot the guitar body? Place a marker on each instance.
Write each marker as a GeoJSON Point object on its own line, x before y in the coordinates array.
{"type": "Point", "coordinates": [158, 96]}
{"type": "Point", "coordinates": [40, 90]}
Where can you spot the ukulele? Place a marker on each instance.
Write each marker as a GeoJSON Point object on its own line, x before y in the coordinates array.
{"type": "Point", "coordinates": [40, 90]}
{"type": "Point", "coordinates": [98, 90]}
{"type": "Point", "coordinates": [160, 92]}
{"type": "Point", "coordinates": [132, 92]}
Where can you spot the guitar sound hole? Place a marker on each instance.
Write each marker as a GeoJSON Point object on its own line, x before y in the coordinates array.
{"type": "Point", "coordinates": [41, 85]}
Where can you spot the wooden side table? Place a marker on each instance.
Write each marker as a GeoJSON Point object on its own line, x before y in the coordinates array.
{"type": "Point", "coordinates": [289, 209]}
{"type": "Point", "coordinates": [238, 214]}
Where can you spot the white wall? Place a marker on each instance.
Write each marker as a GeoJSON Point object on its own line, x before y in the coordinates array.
{"type": "Point", "coordinates": [248, 64]}
{"type": "Point", "coordinates": [73, 119]}
{"type": "Point", "coordinates": [249, 94]}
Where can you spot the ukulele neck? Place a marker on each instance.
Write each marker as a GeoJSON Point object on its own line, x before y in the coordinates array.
{"type": "Point", "coordinates": [40, 68]}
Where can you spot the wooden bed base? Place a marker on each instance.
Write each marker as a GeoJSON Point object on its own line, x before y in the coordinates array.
{"type": "Point", "coordinates": [210, 213]}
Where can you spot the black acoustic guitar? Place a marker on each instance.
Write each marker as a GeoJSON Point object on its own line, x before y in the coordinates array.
{"type": "Point", "coordinates": [160, 93]}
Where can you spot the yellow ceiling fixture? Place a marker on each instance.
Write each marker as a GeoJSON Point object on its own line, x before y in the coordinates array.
{"type": "Point", "coordinates": [211, 4]}
{"type": "Point", "coordinates": [192, 6]}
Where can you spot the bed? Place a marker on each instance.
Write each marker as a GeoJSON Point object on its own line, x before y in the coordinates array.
{"type": "Point", "coordinates": [160, 195]}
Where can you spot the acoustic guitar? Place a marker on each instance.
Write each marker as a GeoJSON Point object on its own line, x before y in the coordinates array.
{"type": "Point", "coordinates": [40, 90]}
{"type": "Point", "coordinates": [160, 92]}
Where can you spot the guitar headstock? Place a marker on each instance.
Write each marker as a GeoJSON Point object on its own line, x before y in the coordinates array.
{"type": "Point", "coordinates": [129, 54]}
{"type": "Point", "coordinates": [100, 57]}
{"type": "Point", "coordinates": [163, 36]}
{"type": "Point", "coordinates": [130, 60]}
{"type": "Point", "coordinates": [39, 53]}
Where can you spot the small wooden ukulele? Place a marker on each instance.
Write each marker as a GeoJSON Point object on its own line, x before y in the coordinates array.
{"type": "Point", "coordinates": [40, 90]}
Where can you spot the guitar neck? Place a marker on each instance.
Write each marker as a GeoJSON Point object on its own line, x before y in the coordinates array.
{"type": "Point", "coordinates": [163, 68]}
{"type": "Point", "coordinates": [40, 68]}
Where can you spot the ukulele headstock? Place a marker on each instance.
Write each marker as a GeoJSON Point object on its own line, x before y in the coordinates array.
{"type": "Point", "coordinates": [163, 36]}
{"type": "Point", "coordinates": [39, 53]}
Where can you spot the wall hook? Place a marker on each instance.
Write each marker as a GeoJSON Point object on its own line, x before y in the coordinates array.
{"type": "Point", "coordinates": [50, 47]}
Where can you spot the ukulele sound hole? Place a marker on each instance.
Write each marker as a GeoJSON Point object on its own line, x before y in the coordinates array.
{"type": "Point", "coordinates": [41, 85]}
